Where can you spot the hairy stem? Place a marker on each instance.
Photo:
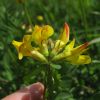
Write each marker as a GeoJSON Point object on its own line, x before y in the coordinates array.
{"type": "Point", "coordinates": [49, 82]}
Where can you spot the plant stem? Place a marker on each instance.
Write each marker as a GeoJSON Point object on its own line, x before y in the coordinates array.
{"type": "Point", "coordinates": [49, 82]}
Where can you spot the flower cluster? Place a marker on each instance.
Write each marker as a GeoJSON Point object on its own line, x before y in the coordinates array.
{"type": "Point", "coordinates": [46, 50]}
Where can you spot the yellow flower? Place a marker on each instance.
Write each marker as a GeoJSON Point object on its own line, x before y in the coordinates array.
{"type": "Point", "coordinates": [46, 32]}
{"type": "Point", "coordinates": [40, 18]}
{"type": "Point", "coordinates": [41, 34]}
{"type": "Point", "coordinates": [77, 57]}
{"type": "Point", "coordinates": [74, 55]}
{"type": "Point", "coordinates": [64, 36]}
{"type": "Point", "coordinates": [62, 40]}
{"type": "Point", "coordinates": [24, 48]}
{"type": "Point", "coordinates": [81, 59]}
{"type": "Point", "coordinates": [36, 35]}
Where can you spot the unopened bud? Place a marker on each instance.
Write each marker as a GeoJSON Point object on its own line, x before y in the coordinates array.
{"type": "Point", "coordinates": [38, 56]}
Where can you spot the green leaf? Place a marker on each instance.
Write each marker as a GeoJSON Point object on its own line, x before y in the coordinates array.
{"type": "Point", "coordinates": [95, 61]}
{"type": "Point", "coordinates": [64, 96]}
{"type": "Point", "coordinates": [1, 46]}
{"type": "Point", "coordinates": [56, 66]}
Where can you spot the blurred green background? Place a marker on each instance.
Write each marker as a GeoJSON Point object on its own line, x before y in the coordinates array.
{"type": "Point", "coordinates": [74, 82]}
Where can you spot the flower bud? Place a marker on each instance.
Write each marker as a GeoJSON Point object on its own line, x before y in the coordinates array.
{"type": "Point", "coordinates": [38, 56]}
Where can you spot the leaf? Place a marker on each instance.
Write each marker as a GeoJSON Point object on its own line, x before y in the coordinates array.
{"type": "Point", "coordinates": [64, 96]}
{"type": "Point", "coordinates": [56, 66]}
{"type": "Point", "coordinates": [96, 40]}
{"type": "Point", "coordinates": [1, 46]}
{"type": "Point", "coordinates": [95, 61]}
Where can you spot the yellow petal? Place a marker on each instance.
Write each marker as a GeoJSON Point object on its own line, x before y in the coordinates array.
{"type": "Point", "coordinates": [27, 38]}
{"type": "Point", "coordinates": [59, 44]}
{"type": "Point", "coordinates": [20, 56]}
{"type": "Point", "coordinates": [36, 35]}
{"type": "Point", "coordinates": [65, 35]}
{"type": "Point", "coordinates": [58, 47]}
{"type": "Point", "coordinates": [42, 33]}
{"type": "Point", "coordinates": [70, 45]}
{"type": "Point", "coordinates": [17, 44]}
{"type": "Point", "coordinates": [80, 49]}
{"type": "Point", "coordinates": [66, 53]}
{"type": "Point", "coordinates": [61, 56]}
{"type": "Point", "coordinates": [46, 32]}
{"type": "Point", "coordinates": [82, 59]}
{"type": "Point", "coordinates": [25, 49]}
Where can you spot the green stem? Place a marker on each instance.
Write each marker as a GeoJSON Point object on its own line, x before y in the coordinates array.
{"type": "Point", "coordinates": [49, 83]}
{"type": "Point", "coordinates": [27, 13]}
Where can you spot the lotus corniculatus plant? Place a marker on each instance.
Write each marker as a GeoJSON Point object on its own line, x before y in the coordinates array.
{"type": "Point", "coordinates": [39, 46]}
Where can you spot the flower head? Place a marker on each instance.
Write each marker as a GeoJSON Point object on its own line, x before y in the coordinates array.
{"type": "Point", "coordinates": [46, 51]}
